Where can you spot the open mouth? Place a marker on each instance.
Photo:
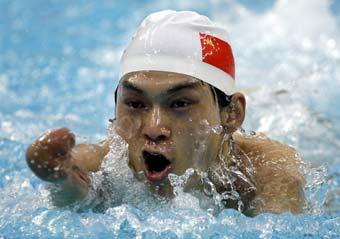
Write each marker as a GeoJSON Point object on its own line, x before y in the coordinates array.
{"type": "Point", "coordinates": [157, 166]}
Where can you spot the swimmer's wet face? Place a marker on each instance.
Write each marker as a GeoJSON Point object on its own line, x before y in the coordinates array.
{"type": "Point", "coordinates": [168, 121]}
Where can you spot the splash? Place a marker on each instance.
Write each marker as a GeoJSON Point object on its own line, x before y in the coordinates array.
{"type": "Point", "coordinates": [287, 63]}
{"type": "Point", "coordinates": [218, 187]}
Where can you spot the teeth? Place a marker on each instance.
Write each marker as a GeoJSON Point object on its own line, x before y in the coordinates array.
{"type": "Point", "coordinates": [155, 162]}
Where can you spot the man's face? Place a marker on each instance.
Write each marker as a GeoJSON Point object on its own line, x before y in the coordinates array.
{"type": "Point", "coordinates": [170, 122]}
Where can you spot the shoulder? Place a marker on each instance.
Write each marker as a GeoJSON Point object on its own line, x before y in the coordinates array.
{"type": "Point", "coordinates": [277, 170]}
{"type": "Point", "coordinates": [264, 151]}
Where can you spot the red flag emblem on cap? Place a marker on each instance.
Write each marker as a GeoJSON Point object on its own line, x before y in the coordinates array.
{"type": "Point", "coordinates": [218, 53]}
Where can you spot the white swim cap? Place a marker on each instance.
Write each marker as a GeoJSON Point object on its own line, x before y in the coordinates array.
{"type": "Point", "coordinates": [182, 42]}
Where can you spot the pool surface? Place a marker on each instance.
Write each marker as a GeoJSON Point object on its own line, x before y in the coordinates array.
{"type": "Point", "coordinates": [59, 67]}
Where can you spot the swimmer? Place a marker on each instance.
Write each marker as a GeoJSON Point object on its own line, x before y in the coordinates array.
{"type": "Point", "coordinates": [177, 108]}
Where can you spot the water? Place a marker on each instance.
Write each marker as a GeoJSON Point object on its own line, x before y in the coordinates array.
{"type": "Point", "coordinates": [58, 67]}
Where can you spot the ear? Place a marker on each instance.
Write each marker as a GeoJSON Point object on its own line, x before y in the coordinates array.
{"type": "Point", "coordinates": [232, 116]}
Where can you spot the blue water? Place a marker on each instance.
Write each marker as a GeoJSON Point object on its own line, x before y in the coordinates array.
{"type": "Point", "coordinates": [58, 67]}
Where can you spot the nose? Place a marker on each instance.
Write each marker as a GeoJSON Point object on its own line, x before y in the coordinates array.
{"type": "Point", "coordinates": [155, 129]}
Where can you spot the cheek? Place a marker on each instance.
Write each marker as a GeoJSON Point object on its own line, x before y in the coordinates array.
{"type": "Point", "coordinates": [188, 142]}
{"type": "Point", "coordinates": [134, 162]}
{"type": "Point", "coordinates": [128, 128]}
{"type": "Point", "coordinates": [197, 144]}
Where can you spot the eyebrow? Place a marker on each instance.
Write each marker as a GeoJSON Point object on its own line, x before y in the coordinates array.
{"type": "Point", "coordinates": [130, 86]}
{"type": "Point", "coordinates": [172, 90]}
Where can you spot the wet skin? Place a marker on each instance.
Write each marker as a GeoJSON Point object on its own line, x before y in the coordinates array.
{"type": "Point", "coordinates": [168, 114]}
{"type": "Point", "coordinates": [171, 118]}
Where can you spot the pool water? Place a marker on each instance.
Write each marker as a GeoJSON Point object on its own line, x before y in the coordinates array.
{"type": "Point", "coordinates": [59, 67]}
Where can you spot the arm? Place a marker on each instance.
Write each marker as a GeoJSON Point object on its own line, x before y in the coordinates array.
{"type": "Point", "coordinates": [277, 175]}
{"type": "Point", "coordinates": [54, 157]}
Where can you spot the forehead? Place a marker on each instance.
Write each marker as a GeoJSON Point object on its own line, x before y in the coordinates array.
{"type": "Point", "coordinates": [159, 80]}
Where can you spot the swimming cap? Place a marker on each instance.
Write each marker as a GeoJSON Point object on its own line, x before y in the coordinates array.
{"type": "Point", "coordinates": [182, 42]}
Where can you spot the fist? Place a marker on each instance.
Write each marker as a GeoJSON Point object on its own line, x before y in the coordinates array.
{"type": "Point", "coordinates": [48, 156]}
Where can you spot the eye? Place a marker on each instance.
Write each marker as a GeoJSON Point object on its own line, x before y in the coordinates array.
{"type": "Point", "coordinates": [182, 103]}
{"type": "Point", "coordinates": [135, 104]}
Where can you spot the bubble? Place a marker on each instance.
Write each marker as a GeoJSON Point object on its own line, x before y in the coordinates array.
{"type": "Point", "coordinates": [218, 129]}
{"type": "Point", "coordinates": [242, 131]}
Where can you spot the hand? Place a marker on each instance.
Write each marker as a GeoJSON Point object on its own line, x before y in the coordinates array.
{"type": "Point", "coordinates": [49, 156]}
